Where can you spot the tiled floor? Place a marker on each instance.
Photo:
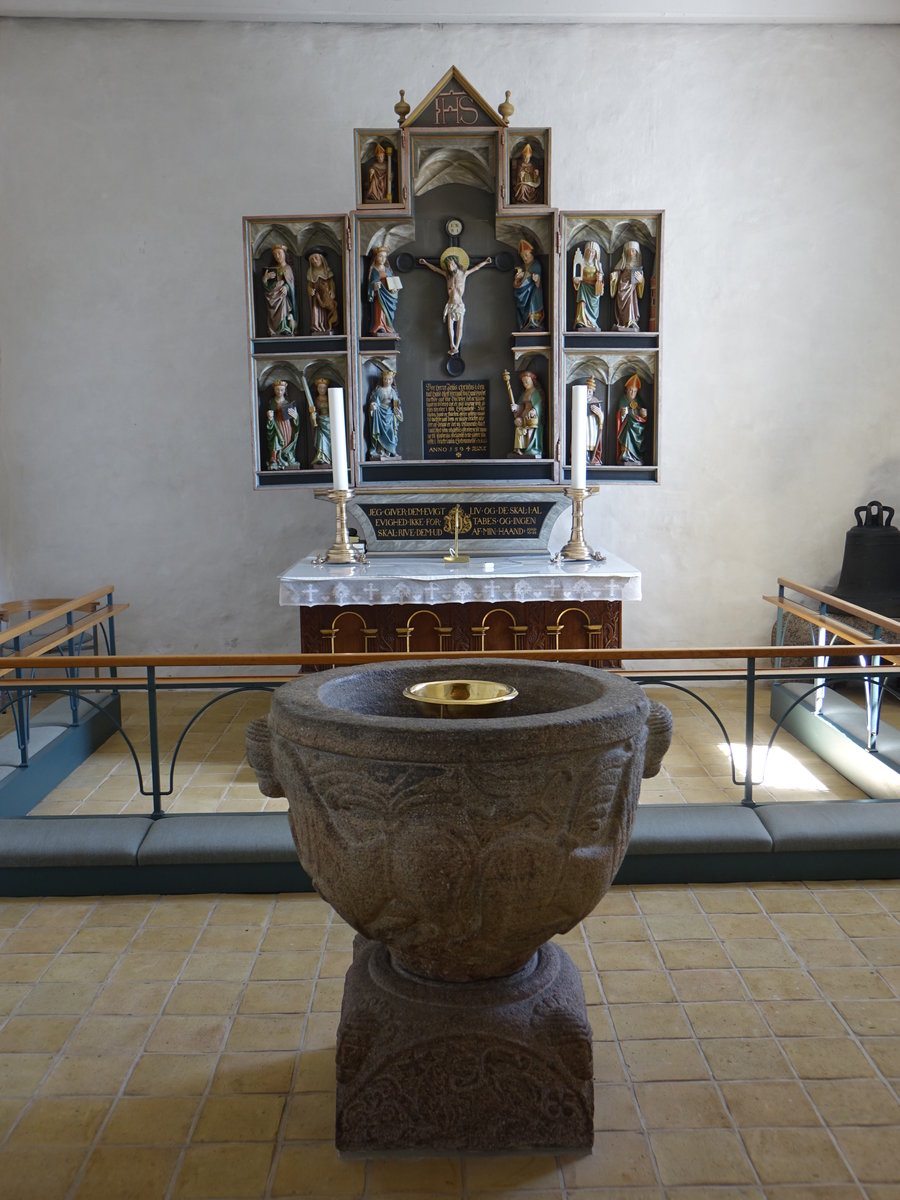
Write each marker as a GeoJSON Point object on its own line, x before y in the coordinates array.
{"type": "Point", "coordinates": [212, 774]}
{"type": "Point", "coordinates": [747, 1046]}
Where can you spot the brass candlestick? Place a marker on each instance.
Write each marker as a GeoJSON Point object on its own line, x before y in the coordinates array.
{"type": "Point", "coordinates": [576, 548]}
{"type": "Point", "coordinates": [341, 551]}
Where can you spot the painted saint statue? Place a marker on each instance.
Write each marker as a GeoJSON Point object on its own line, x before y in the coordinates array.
{"type": "Point", "coordinates": [385, 415]}
{"type": "Point", "coordinates": [282, 429]}
{"type": "Point", "coordinates": [321, 422]}
{"type": "Point", "coordinates": [383, 292]}
{"type": "Point", "coordinates": [631, 425]}
{"type": "Point", "coordinates": [280, 295]}
{"type": "Point", "coordinates": [378, 180]}
{"type": "Point", "coordinates": [526, 178]}
{"type": "Point", "coordinates": [528, 289]}
{"type": "Point", "coordinates": [587, 279]}
{"type": "Point", "coordinates": [626, 286]}
{"type": "Point", "coordinates": [323, 309]}
{"type": "Point", "coordinates": [594, 425]}
{"type": "Point", "coordinates": [528, 440]}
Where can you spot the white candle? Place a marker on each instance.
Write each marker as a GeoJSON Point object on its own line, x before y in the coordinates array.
{"type": "Point", "coordinates": [340, 479]}
{"type": "Point", "coordinates": [579, 436]}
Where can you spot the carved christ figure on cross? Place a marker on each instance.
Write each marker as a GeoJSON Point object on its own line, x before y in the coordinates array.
{"type": "Point", "coordinates": [455, 270]}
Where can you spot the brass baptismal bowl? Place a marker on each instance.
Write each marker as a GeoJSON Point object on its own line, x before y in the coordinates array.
{"type": "Point", "coordinates": [458, 697]}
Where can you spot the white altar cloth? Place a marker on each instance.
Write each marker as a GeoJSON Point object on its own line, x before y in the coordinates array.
{"type": "Point", "coordinates": [405, 579]}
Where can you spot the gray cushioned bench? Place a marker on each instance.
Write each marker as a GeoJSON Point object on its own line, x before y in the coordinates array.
{"type": "Point", "coordinates": [254, 852]}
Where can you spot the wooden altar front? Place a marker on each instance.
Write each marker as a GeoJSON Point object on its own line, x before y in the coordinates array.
{"type": "Point", "coordinates": [400, 603]}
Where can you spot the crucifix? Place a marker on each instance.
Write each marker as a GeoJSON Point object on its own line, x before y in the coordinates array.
{"type": "Point", "coordinates": [455, 270]}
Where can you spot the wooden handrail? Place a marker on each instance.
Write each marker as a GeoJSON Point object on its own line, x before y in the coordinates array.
{"type": "Point", "coordinates": [719, 674]}
{"type": "Point", "coordinates": [66, 606]}
{"type": "Point", "coordinates": [852, 610]}
{"type": "Point", "coordinates": [641, 654]}
{"type": "Point", "coordinates": [832, 624]}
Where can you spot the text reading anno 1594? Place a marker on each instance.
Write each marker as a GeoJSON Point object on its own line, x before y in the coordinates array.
{"type": "Point", "coordinates": [455, 419]}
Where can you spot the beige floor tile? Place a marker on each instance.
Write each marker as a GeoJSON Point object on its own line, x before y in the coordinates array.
{"type": "Point", "coordinates": [171, 1075]}
{"type": "Point", "coordinates": [36, 1034]}
{"type": "Point", "coordinates": [614, 1107]}
{"type": "Point", "coordinates": [23, 968]}
{"type": "Point", "coordinates": [708, 985]}
{"type": "Point", "coordinates": [731, 927]}
{"type": "Point", "coordinates": [703, 955]}
{"type": "Point", "coordinates": [618, 1160]}
{"type": "Point", "coordinates": [61, 1121]}
{"type": "Point", "coordinates": [662, 1060]}
{"type": "Point", "coordinates": [826, 1058]}
{"type": "Point", "coordinates": [665, 901]}
{"type": "Point", "coordinates": [301, 964]}
{"type": "Point", "coordinates": [624, 987]}
{"type": "Point", "coordinates": [501, 1173]}
{"type": "Point", "coordinates": [310, 1117]}
{"type": "Point", "coordinates": [233, 939]}
{"type": "Point", "coordinates": [878, 1018]}
{"type": "Point", "coordinates": [768, 1102]}
{"type": "Point", "coordinates": [20, 1074]}
{"type": "Point", "coordinates": [281, 938]}
{"type": "Point", "coordinates": [80, 968]}
{"type": "Point", "coordinates": [188, 1035]}
{"type": "Point", "coordinates": [608, 1066]}
{"type": "Point", "coordinates": [36, 940]}
{"type": "Point", "coordinates": [296, 910]}
{"type": "Point", "coordinates": [801, 1018]}
{"type": "Point", "coordinates": [855, 1102]}
{"type": "Point", "coordinates": [777, 984]}
{"type": "Point", "coordinates": [880, 951]}
{"type": "Point", "coordinates": [745, 1058]}
{"type": "Point", "coordinates": [223, 1172]}
{"type": "Point", "coordinates": [709, 1156]}
{"type": "Point", "coordinates": [882, 925]}
{"type": "Point", "coordinates": [127, 997]}
{"type": "Point", "coordinates": [681, 1105]}
{"type": "Point", "coordinates": [873, 1153]}
{"type": "Point", "coordinates": [39, 1172]}
{"type": "Point", "coordinates": [847, 900]}
{"type": "Point", "coordinates": [249, 911]}
{"type": "Point", "coordinates": [316, 1171]}
{"type": "Point", "coordinates": [58, 998]}
{"type": "Point", "coordinates": [795, 899]}
{"type": "Point", "coordinates": [725, 1018]}
{"type": "Point", "coordinates": [648, 1021]}
{"type": "Point", "coordinates": [885, 1053]}
{"type": "Point", "coordinates": [108, 1035]}
{"type": "Point", "coordinates": [799, 1155]}
{"type": "Point", "coordinates": [149, 967]}
{"type": "Point", "coordinates": [287, 997]}
{"type": "Point", "coordinates": [625, 956]}
{"type": "Point", "coordinates": [730, 899]}
{"type": "Point", "coordinates": [269, 1071]}
{"type": "Point", "coordinates": [264, 1032]}
{"type": "Point", "coordinates": [160, 1120]}
{"type": "Point", "coordinates": [828, 954]}
{"type": "Point", "coordinates": [431, 1176]}
{"type": "Point", "coordinates": [851, 983]}
{"type": "Point", "coordinates": [218, 965]}
{"type": "Point", "coordinates": [679, 927]}
{"type": "Point", "coordinates": [204, 997]}
{"type": "Point", "coordinates": [165, 937]}
{"type": "Point", "coordinates": [601, 1025]}
{"type": "Point", "coordinates": [11, 995]}
{"type": "Point", "coordinates": [88, 1075]}
{"type": "Point", "coordinates": [240, 1118]}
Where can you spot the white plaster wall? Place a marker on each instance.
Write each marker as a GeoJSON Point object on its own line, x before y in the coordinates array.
{"type": "Point", "coordinates": [129, 153]}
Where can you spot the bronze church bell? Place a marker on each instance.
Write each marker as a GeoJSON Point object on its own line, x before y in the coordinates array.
{"type": "Point", "coordinates": [870, 574]}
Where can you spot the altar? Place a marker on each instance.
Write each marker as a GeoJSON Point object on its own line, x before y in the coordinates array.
{"type": "Point", "coordinates": [418, 604]}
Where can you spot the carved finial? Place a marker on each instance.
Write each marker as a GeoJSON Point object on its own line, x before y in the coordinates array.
{"type": "Point", "coordinates": [505, 109]}
{"type": "Point", "coordinates": [401, 108]}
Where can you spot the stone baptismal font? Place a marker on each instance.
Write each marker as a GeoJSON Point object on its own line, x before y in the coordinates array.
{"type": "Point", "coordinates": [457, 848]}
